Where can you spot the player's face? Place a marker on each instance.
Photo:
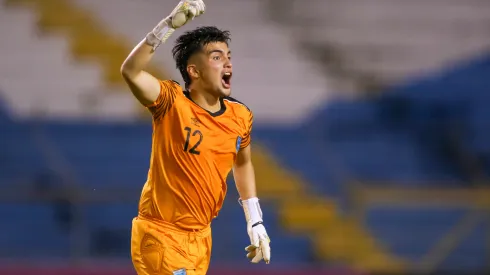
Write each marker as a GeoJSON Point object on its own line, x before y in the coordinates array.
{"type": "Point", "coordinates": [216, 69]}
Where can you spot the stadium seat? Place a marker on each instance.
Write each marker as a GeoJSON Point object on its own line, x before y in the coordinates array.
{"type": "Point", "coordinates": [98, 156]}
{"type": "Point", "coordinates": [398, 139]}
{"type": "Point", "coordinates": [412, 232]}
{"type": "Point", "coordinates": [21, 159]}
{"type": "Point", "coordinates": [39, 232]}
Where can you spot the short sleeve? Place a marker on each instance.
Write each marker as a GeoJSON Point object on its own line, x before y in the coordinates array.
{"type": "Point", "coordinates": [246, 139]}
{"type": "Point", "coordinates": [168, 91]}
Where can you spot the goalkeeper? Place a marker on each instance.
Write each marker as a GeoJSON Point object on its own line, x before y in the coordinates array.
{"type": "Point", "coordinates": [200, 134]}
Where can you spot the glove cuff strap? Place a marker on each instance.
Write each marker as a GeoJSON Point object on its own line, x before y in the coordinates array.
{"type": "Point", "coordinates": [159, 34]}
{"type": "Point", "coordinates": [257, 223]}
{"type": "Point", "coordinates": [253, 213]}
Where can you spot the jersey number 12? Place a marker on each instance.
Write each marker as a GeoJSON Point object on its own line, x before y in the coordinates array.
{"type": "Point", "coordinates": [193, 149]}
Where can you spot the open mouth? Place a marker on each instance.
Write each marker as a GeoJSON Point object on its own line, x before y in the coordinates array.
{"type": "Point", "coordinates": [226, 80]}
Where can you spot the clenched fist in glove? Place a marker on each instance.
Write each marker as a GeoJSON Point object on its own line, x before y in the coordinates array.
{"type": "Point", "coordinates": [184, 12]}
{"type": "Point", "coordinates": [259, 249]}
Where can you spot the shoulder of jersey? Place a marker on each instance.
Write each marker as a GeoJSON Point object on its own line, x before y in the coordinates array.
{"type": "Point", "coordinates": [178, 86]}
{"type": "Point", "coordinates": [176, 83]}
{"type": "Point", "coordinates": [236, 104]}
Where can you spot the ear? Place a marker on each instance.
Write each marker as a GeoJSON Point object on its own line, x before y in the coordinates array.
{"type": "Point", "coordinates": [193, 71]}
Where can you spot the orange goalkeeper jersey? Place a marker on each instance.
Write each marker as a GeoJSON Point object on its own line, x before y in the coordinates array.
{"type": "Point", "coordinates": [193, 151]}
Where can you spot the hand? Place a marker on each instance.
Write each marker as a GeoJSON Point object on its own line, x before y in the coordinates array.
{"type": "Point", "coordinates": [184, 12]}
{"type": "Point", "coordinates": [259, 248]}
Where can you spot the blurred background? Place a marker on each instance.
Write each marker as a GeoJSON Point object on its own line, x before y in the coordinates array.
{"type": "Point", "coordinates": [371, 136]}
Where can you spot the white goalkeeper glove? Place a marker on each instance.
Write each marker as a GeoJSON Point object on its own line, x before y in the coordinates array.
{"type": "Point", "coordinates": [184, 12]}
{"type": "Point", "coordinates": [259, 249]}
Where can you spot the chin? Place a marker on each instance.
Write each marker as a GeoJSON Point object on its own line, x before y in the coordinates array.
{"type": "Point", "coordinates": [225, 92]}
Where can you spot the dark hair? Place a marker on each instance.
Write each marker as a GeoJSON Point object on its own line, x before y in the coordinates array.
{"type": "Point", "coordinates": [193, 41]}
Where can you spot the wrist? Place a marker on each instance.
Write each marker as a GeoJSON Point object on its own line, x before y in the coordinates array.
{"type": "Point", "coordinates": [253, 213]}
{"type": "Point", "coordinates": [160, 33]}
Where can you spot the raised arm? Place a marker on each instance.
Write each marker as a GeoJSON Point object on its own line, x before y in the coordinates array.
{"type": "Point", "coordinates": [143, 85]}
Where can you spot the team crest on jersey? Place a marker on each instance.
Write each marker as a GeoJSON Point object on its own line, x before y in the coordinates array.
{"type": "Point", "coordinates": [238, 143]}
{"type": "Point", "coordinates": [180, 272]}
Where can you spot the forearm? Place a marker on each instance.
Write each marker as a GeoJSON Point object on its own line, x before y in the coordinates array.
{"type": "Point", "coordinates": [144, 86]}
{"type": "Point", "coordinates": [142, 54]}
{"type": "Point", "coordinates": [138, 59]}
{"type": "Point", "coordinates": [244, 175]}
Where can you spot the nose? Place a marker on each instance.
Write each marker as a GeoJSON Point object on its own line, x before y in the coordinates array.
{"type": "Point", "coordinates": [228, 64]}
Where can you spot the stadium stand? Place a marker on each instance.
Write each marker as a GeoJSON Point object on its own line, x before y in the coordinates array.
{"type": "Point", "coordinates": [385, 41]}
{"type": "Point", "coordinates": [97, 32]}
{"type": "Point", "coordinates": [20, 158]}
{"type": "Point", "coordinates": [263, 55]}
{"type": "Point", "coordinates": [406, 136]}
{"type": "Point", "coordinates": [98, 167]}
{"type": "Point", "coordinates": [410, 122]}
{"type": "Point", "coordinates": [84, 27]}
{"type": "Point", "coordinates": [426, 226]}
{"type": "Point", "coordinates": [55, 83]}
{"type": "Point", "coordinates": [400, 139]}
{"type": "Point", "coordinates": [48, 240]}
{"type": "Point", "coordinates": [406, 144]}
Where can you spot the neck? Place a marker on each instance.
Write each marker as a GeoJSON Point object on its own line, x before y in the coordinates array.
{"type": "Point", "coordinates": [205, 100]}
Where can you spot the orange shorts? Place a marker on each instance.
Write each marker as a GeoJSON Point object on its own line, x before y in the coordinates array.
{"type": "Point", "coordinates": [159, 247]}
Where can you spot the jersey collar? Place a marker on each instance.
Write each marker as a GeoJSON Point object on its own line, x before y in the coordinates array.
{"type": "Point", "coordinates": [215, 114]}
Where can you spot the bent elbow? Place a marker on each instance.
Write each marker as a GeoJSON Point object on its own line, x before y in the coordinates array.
{"type": "Point", "coordinates": [125, 70]}
{"type": "Point", "coordinates": [128, 69]}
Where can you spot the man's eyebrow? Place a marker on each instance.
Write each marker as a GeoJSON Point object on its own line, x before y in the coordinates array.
{"type": "Point", "coordinates": [217, 51]}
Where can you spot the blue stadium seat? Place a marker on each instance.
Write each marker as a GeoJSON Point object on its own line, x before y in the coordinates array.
{"type": "Point", "coordinates": [35, 230]}
{"type": "Point", "coordinates": [230, 236]}
{"type": "Point", "coordinates": [20, 155]}
{"type": "Point", "coordinates": [400, 136]}
{"type": "Point", "coordinates": [109, 226]}
{"type": "Point", "coordinates": [410, 233]}
{"type": "Point", "coordinates": [307, 159]}
{"type": "Point", "coordinates": [470, 255]}
{"type": "Point", "coordinates": [113, 215]}
{"type": "Point", "coordinates": [96, 151]}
